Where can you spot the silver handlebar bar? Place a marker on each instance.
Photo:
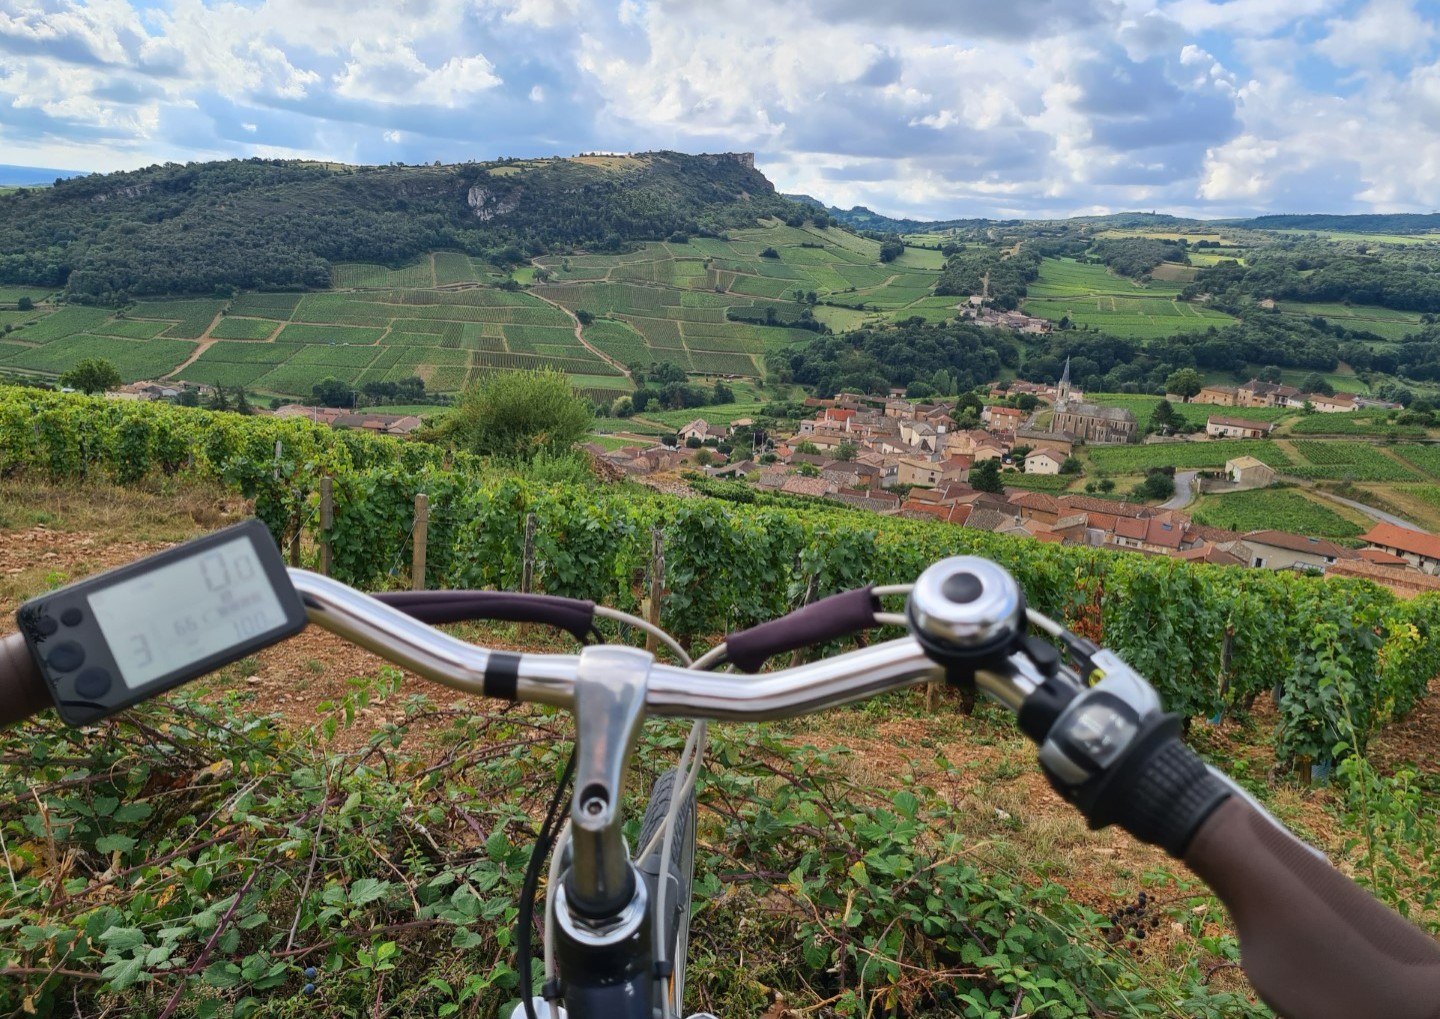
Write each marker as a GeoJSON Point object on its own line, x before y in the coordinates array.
{"type": "Point", "coordinates": [672, 691]}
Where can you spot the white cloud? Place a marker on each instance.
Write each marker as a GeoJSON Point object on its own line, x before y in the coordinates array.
{"type": "Point", "coordinates": [1381, 29]}
{"type": "Point", "coordinates": [398, 76]}
{"type": "Point", "coordinates": [931, 107]}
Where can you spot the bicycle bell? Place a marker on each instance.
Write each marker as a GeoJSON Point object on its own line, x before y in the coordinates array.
{"type": "Point", "coordinates": [966, 611]}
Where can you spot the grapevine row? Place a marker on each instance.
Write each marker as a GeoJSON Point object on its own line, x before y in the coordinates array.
{"type": "Point", "coordinates": [1347, 655]}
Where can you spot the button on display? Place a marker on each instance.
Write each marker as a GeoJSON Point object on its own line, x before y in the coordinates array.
{"type": "Point", "coordinates": [66, 657]}
{"type": "Point", "coordinates": [47, 625]}
{"type": "Point", "coordinates": [72, 616]}
{"type": "Point", "coordinates": [93, 683]}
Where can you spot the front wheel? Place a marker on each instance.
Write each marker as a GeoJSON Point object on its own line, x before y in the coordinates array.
{"type": "Point", "coordinates": [678, 873]}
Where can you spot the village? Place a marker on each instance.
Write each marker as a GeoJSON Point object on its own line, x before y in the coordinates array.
{"type": "Point", "coordinates": [893, 456]}
{"type": "Point", "coordinates": [858, 447]}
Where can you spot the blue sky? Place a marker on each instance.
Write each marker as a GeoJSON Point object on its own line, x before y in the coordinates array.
{"type": "Point", "coordinates": [927, 108]}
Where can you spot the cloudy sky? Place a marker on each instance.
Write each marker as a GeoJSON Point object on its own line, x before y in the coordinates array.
{"type": "Point", "coordinates": [928, 108]}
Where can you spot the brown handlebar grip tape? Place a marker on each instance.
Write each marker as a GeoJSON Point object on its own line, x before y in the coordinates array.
{"type": "Point", "coordinates": [22, 689]}
{"type": "Point", "coordinates": [1314, 944]}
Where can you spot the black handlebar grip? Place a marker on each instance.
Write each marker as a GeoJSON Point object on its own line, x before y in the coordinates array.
{"type": "Point", "coordinates": [1314, 943]}
{"type": "Point", "coordinates": [569, 614]}
{"type": "Point", "coordinates": [22, 689]}
{"type": "Point", "coordinates": [840, 615]}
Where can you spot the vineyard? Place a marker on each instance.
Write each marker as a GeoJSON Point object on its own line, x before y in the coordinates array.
{"type": "Point", "coordinates": [665, 302]}
{"type": "Point", "coordinates": [729, 566]}
{"type": "Point", "coordinates": [1347, 461]}
{"type": "Point", "coordinates": [191, 828]}
{"type": "Point", "coordinates": [1272, 509]}
{"type": "Point", "coordinates": [1184, 455]}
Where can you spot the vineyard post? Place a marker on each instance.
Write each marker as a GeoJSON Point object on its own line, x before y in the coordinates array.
{"type": "Point", "coordinates": [422, 526]}
{"type": "Point", "coordinates": [279, 449]}
{"type": "Point", "coordinates": [657, 585]}
{"type": "Point", "coordinates": [527, 566]}
{"type": "Point", "coordinates": [299, 526]}
{"type": "Point", "coordinates": [327, 520]}
{"type": "Point", "coordinates": [795, 656]}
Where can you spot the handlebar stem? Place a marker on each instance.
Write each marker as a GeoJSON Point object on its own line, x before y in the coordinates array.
{"type": "Point", "coordinates": [610, 686]}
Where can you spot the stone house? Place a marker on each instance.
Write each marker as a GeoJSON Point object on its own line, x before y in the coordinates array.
{"type": "Point", "coordinates": [1042, 461]}
{"type": "Point", "coordinates": [1419, 548]}
{"type": "Point", "coordinates": [1220, 427]}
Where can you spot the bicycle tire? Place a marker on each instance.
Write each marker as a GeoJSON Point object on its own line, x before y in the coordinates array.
{"type": "Point", "coordinates": [681, 868]}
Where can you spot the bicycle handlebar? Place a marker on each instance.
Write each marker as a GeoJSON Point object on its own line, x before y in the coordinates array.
{"type": "Point", "coordinates": [1314, 944]}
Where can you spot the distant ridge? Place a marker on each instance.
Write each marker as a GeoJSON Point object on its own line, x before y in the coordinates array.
{"type": "Point", "coordinates": [30, 176]}
{"type": "Point", "coordinates": [861, 218]}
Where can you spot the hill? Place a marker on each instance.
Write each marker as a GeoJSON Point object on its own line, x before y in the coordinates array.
{"type": "Point", "coordinates": [270, 224]}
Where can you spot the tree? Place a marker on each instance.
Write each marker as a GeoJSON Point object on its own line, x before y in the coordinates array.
{"type": "Point", "coordinates": [331, 392]}
{"type": "Point", "coordinates": [985, 476]}
{"type": "Point", "coordinates": [623, 407]}
{"type": "Point", "coordinates": [1315, 383]}
{"type": "Point", "coordinates": [518, 414]}
{"type": "Point", "coordinates": [92, 375]}
{"type": "Point", "coordinates": [584, 316]}
{"type": "Point", "coordinates": [704, 457]}
{"type": "Point", "coordinates": [242, 405]}
{"type": "Point", "coordinates": [1157, 485]}
{"type": "Point", "coordinates": [722, 394]}
{"type": "Point", "coordinates": [25, 304]}
{"type": "Point", "coordinates": [1026, 401]}
{"type": "Point", "coordinates": [1106, 486]}
{"type": "Point", "coordinates": [769, 253]}
{"type": "Point", "coordinates": [190, 398]}
{"type": "Point", "coordinates": [218, 399]}
{"type": "Point", "coordinates": [1164, 416]}
{"type": "Point", "coordinates": [808, 448]}
{"type": "Point", "coordinates": [1071, 466]}
{"type": "Point", "coordinates": [846, 451]}
{"type": "Point", "coordinates": [1186, 382]}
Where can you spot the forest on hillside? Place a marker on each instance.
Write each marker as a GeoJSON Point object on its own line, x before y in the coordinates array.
{"type": "Point", "coordinates": [200, 228]}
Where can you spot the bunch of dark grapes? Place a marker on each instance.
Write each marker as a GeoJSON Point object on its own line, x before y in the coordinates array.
{"type": "Point", "coordinates": [1129, 923]}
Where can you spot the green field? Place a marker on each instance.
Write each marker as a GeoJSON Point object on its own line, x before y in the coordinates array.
{"type": "Point", "coordinates": [1091, 295]}
{"type": "Point", "coordinates": [1347, 461]}
{"type": "Point", "coordinates": [1214, 453]}
{"type": "Point", "coordinates": [1271, 508]}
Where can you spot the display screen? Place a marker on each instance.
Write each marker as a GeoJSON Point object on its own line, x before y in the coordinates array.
{"type": "Point", "coordinates": [170, 618]}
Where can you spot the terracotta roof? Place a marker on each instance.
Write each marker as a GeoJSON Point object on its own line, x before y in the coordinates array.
{"type": "Point", "coordinates": [1208, 553]}
{"type": "Point", "coordinates": [1215, 534]}
{"type": "Point", "coordinates": [1036, 501]}
{"type": "Point", "coordinates": [1102, 521]}
{"type": "Point", "coordinates": [1299, 543]}
{"type": "Point", "coordinates": [1218, 419]}
{"type": "Point", "coordinates": [1130, 527]}
{"type": "Point", "coordinates": [1420, 543]}
{"type": "Point", "coordinates": [1405, 583]}
{"type": "Point", "coordinates": [1090, 503]}
{"type": "Point", "coordinates": [1245, 463]}
{"type": "Point", "coordinates": [988, 520]}
{"type": "Point", "coordinates": [805, 486]}
{"type": "Point", "coordinates": [959, 514]}
{"type": "Point", "coordinates": [1381, 558]}
{"type": "Point", "coordinates": [1048, 536]}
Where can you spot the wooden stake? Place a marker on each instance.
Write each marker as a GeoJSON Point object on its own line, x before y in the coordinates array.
{"type": "Point", "coordinates": [527, 568]}
{"type": "Point", "coordinates": [422, 528]}
{"type": "Point", "coordinates": [657, 585]}
{"type": "Point", "coordinates": [327, 520]}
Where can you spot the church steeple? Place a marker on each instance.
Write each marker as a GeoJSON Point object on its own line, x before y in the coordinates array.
{"type": "Point", "coordinates": [1062, 392]}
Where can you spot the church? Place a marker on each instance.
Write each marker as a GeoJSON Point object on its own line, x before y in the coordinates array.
{"type": "Point", "coordinates": [1089, 421]}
